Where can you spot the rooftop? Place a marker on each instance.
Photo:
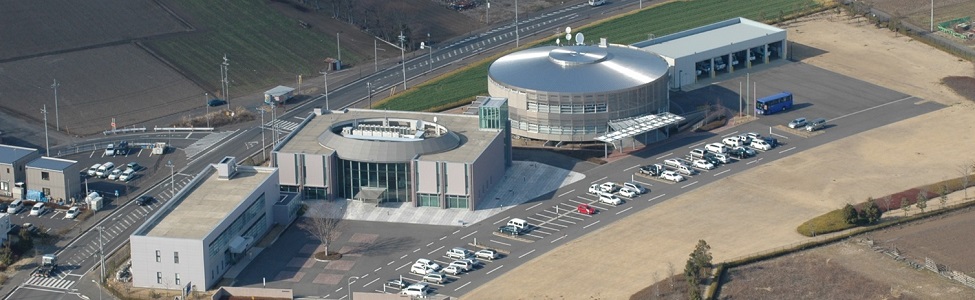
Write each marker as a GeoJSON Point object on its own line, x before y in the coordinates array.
{"type": "Point", "coordinates": [707, 37]}
{"type": "Point", "coordinates": [9, 154]}
{"type": "Point", "coordinates": [462, 142]}
{"type": "Point", "coordinates": [208, 203]}
{"type": "Point", "coordinates": [50, 163]}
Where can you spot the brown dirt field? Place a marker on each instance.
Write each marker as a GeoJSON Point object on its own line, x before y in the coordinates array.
{"type": "Point", "coordinates": [945, 239]}
{"type": "Point", "coordinates": [886, 160]}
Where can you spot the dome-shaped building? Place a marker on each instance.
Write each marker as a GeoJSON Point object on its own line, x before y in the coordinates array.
{"type": "Point", "coordinates": [571, 93]}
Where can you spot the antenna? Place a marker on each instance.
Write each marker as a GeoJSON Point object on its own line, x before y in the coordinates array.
{"type": "Point", "coordinates": [580, 39]}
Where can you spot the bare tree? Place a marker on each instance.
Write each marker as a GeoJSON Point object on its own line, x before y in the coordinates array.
{"type": "Point", "coordinates": [965, 171]}
{"type": "Point", "coordinates": [887, 202]}
{"type": "Point", "coordinates": [944, 196]}
{"type": "Point", "coordinates": [656, 285]}
{"type": "Point", "coordinates": [905, 205]}
{"type": "Point", "coordinates": [670, 273]}
{"type": "Point", "coordinates": [323, 224]}
{"type": "Point", "coordinates": [922, 200]}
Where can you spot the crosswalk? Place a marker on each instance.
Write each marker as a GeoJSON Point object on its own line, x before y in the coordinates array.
{"type": "Point", "coordinates": [50, 282]}
{"type": "Point", "coordinates": [281, 125]}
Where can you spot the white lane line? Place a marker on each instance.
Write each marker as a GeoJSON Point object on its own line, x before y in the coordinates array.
{"type": "Point", "coordinates": [367, 284]}
{"type": "Point", "coordinates": [665, 155]}
{"type": "Point", "coordinates": [869, 108]}
{"type": "Point", "coordinates": [377, 269]}
{"type": "Point", "coordinates": [462, 286]}
{"type": "Point", "coordinates": [498, 221]}
{"type": "Point", "coordinates": [695, 145]}
{"type": "Point", "coordinates": [526, 253]}
{"type": "Point", "coordinates": [417, 250]}
{"type": "Point", "coordinates": [593, 223]}
{"type": "Point", "coordinates": [600, 179]}
{"type": "Point", "coordinates": [722, 172]}
{"type": "Point", "coordinates": [566, 193]}
{"type": "Point", "coordinates": [404, 256]}
{"type": "Point", "coordinates": [403, 266]}
{"type": "Point", "coordinates": [506, 244]}
{"type": "Point", "coordinates": [689, 184]}
{"type": "Point", "coordinates": [658, 196]}
{"type": "Point", "coordinates": [556, 240]}
{"type": "Point", "coordinates": [431, 243]}
{"type": "Point", "coordinates": [495, 269]}
{"type": "Point", "coordinates": [469, 234]}
{"type": "Point", "coordinates": [726, 135]}
{"type": "Point", "coordinates": [631, 168]}
{"type": "Point", "coordinates": [787, 150]}
{"type": "Point", "coordinates": [456, 231]}
{"type": "Point", "coordinates": [534, 206]}
{"type": "Point", "coordinates": [623, 211]}
{"type": "Point", "coordinates": [435, 250]}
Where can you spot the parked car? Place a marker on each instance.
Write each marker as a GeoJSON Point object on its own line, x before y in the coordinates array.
{"type": "Point", "coordinates": [628, 192]}
{"type": "Point", "coordinates": [594, 188]}
{"type": "Point", "coordinates": [816, 124]}
{"type": "Point", "coordinates": [508, 229]}
{"type": "Point", "coordinates": [453, 270]}
{"type": "Point", "coordinates": [610, 199]}
{"type": "Point", "coordinates": [397, 283]}
{"type": "Point", "coordinates": [586, 209]}
{"type": "Point", "coordinates": [435, 277]}
{"type": "Point", "coordinates": [459, 253]}
{"type": "Point", "coordinates": [105, 169]}
{"type": "Point", "coordinates": [797, 123]}
{"type": "Point", "coordinates": [122, 148]}
{"type": "Point", "coordinates": [771, 141]}
{"type": "Point", "coordinates": [673, 163]}
{"type": "Point", "coordinates": [721, 158]}
{"type": "Point", "coordinates": [134, 166]}
{"type": "Point", "coordinates": [127, 175]}
{"type": "Point", "coordinates": [110, 150]}
{"type": "Point", "coordinates": [114, 175]}
{"type": "Point", "coordinates": [463, 265]}
{"type": "Point", "coordinates": [698, 153]}
{"type": "Point", "coordinates": [753, 135]}
{"type": "Point", "coordinates": [716, 147]}
{"type": "Point", "coordinates": [672, 176]}
{"type": "Point", "coordinates": [144, 200]}
{"type": "Point", "coordinates": [94, 169]}
{"type": "Point", "coordinates": [761, 145]}
{"type": "Point", "coordinates": [703, 164]}
{"type": "Point", "coordinates": [652, 170]}
{"type": "Point", "coordinates": [216, 102]}
{"type": "Point", "coordinates": [38, 209]}
{"type": "Point", "coordinates": [635, 186]}
{"type": "Point", "coordinates": [421, 269]}
{"type": "Point", "coordinates": [608, 187]}
{"type": "Point", "coordinates": [429, 263]}
{"type": "Point", "coordinates": [487, 254]}
{"type": "Point", "coordinates": [420, 289]}
{"type": "Point", "coordinates": [741, 153]}
{"type": "Point", "coordinates": [733, 141]}
{"type": "Point", "coordinates": [72, 213]}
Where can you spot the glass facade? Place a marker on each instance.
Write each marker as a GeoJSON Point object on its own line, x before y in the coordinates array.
{"type": "Point", "coordinates": [314, 193]}
{"type": "Point", "coordinates": [394, 177]}
{"type": "Point", "coordinates": [429, 200]}
{"type": "Point", "coordinates": [457, 201]}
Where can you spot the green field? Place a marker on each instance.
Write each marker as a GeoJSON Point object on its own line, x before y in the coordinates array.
{"type": "Point", "coordinates": [462, 86]}
{"type": "Point", "coordinates": [263, 46]}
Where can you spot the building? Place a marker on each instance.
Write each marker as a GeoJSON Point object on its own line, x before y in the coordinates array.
{"type": "Point", "coordinates": [53, 179]}
{"type": "Point", "coordinates": [13, 168]}
{"type": "Point", "coordinates": [375, 156]}
{"type": "Point", "coordinates": [208, 225]}
{"type": "Point", "coordinates": [721, 48]}
{"type": "Point", "coordinates": [572, 93]}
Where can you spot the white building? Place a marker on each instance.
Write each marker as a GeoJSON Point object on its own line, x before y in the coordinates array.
{"type": "Point", "coordinates": [197, 236]}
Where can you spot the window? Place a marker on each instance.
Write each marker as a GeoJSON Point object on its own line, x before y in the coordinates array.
{"type": "Point", "coordinates": [159, 277]}
{"type": "Point", "coordinates": [4, 186]}
{"type": "Point", "coordinates": [45, 176]}
{"type": "Point", "coordinates": [176, 257]}
{"type": "Point", "coordinates": [8, 170]}
{"type": "Point", "coordinates": [46, 191]}
{"type": "Point", "coordinates": [158, 256]}
{"type": "Point", "coordinates": [177, 279]}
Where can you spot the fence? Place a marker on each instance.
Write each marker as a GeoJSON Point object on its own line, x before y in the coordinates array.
{"type": "Point", "coordinates": [183, 129]}
{"type": "Point", "coordinates": [943, 270]}
{"type": "Point", "coordinates": [124, 130]}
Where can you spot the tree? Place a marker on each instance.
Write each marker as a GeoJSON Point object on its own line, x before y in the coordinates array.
{"type": "Point", "coordinates": [887, 200]}
{"type": "Point", "coordinates": [671, 272]}
{"type": "Point", "coordinates": [872, 212]}
{"type": "Point", "coordinates": [922, 200]}
{"type": "Point", "coordinates": [850, 214]}
{"type": "Point", "coordinates": [702, 255]}
{"type": "Point", "coordinates": [944, 196]}
{"type": "Point", "coordinates": [906, 206]}
{"type": "Point", "coordinates": [323, 225]}
{"type": "Point", "coordinates": [965, 170]}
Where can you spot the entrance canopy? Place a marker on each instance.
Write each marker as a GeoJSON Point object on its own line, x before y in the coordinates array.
{"type": "Point", "coordinates": [370, 194]}
{"type": "Point", "coordinates": [630, 127]}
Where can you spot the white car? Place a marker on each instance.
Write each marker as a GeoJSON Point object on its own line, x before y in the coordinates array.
{"type": "Point", "coordinates": [703, 164]}
{"type": "Point", "coordinates": [453, 270]}
{"type": "Point", "coordinates": [672, 176]}
{"type": "Point", "coordinates": [419, 268]}
{"type": "Point", "coordinates": [464, 264]}
{"type": "Point", "coordinates": [673, 162]}
{"type": "Point", "coordinates": [594, 189]}
{"type": "Point", "coordinates": [797, 123]}
{"type": "Point", "coordinates": [114, 175]}
{"type": "Point", "coordinates": [610, 199]}
{"type": "Point", "coordinates": [608, 187]}
{"type": "Point", "coordinates": [761, 145]}
{"type": "Point", "coordinates": [733, 141]}
{"type": "Point", "coordinates": [435, 277]}
{"type": "Point", "coordinates": [72, 213]}
{"type": "Point", "coordinates": [628, 192]}
{"type": "Point", "coordinates": [416, 290]}
{"type": "Point", "coordinates": [94, 169]}
{"type": "Point", "coordinates": [487, 254]}
{"type": "Point", "coordinates": [127, 175]}
{"type": "Point", "coordinates": [716, 148]}
{"type": "Point", "coordinates": [635, 186]}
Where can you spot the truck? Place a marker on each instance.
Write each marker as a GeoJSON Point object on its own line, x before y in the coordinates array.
{"type": "Point", "coordinates": [49, 266]}
{"type": "Point", "coordinates": [278, 95]}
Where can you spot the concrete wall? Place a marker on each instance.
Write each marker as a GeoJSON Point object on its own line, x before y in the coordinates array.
{"type": "Point", "coordinates": [15, 171]}
{"type": "Point", "coordinates": [426, 179]}
{"type": "Point", "coordinates": [287, 164]}
{"type": "Point", "coordinates": [487, 170]}
{"type": "Point", "coordinates": [145, 267]}
{"type": "Point", "coordinates": [63, 185]}
{"type": "Point", "coordinates": [456, 178]}
{"type": "Point", "coordinates": [314, 170]}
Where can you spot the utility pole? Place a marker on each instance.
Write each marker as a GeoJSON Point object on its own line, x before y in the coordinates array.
{"type": "Point", "coordinates": [57, 116]}
{"type": "Point", "coordinates": [517, 43]}
{"type": "Point", "coordinates": [932, 15]}
{"type": "Point", "coordinates": [422, 45]}
{"type": "Point", "coordinates": [402, 50]}
{"type": "Point", "coordinates": [375, 54]}
{"type": "Point", "coordinates": [225, 83]}
{"type": "Point", "coordinates": [325, 74]}
{"type": "Point", "coordinates": [172, 174]}
{"type": "Point", "coordinates": [207, 104]}
{"type": "Point", "coordinates": [487, 13]}
{"type": "Point", "coordinates": [47, 142]}
{"type": "Point", "coordinates": [264, 144]}
{"type": "Point", "coordinates": [369, 90]}
{"type": "Point", "coordinates": [338, 44]}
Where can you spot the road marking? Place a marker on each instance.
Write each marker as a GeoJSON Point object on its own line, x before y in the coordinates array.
{"type": "Point", "coordinates": [534, 206]}
{"type": "Point", "coordinates": [403, 266]}
{"type": "Point", "coordinates": [435, 250]}
{"type": "Point", "coordinates": [593, 223]}
{"type": "Point", "coordinates": [778, 135]}
{"type": "Point", "coordinates": [722, 172]}
{"type": "Point", "coordinates": [367, 284]}
{"type": "Point", "coordinates": [787, 150]}
{"type": "Point", "coordinates": [469, 234]}
{"type": "Point", "coordinates": [417, 250]}
{"type": "Point", "coordinates": [689, 184]}
{"type": "Point", "coordinates": [462, 286]}
{"type": "Point", "coordinates": [658, 196]}
{"type": "Point", "coordinates": [526, 253]}
{"type": "Point", "coordinates": [443, 237]}
{"type": "Point", "coordinates": [730, 134]}
{"type": "Point", "coordinates": [495, 269]}
{"type": "Point", "coordinates": [377, 269]}
{"type": "Point", "coordinates": [869, 108]}
{"type": "Point", "coordinates": [391, 262]}
{"type": "Point", "coordinates": [623, 211]}
{"type": "Point", "coordinates": [404, 256]}
{"type": "Point", "coordinates": [556, 240]}
{"type": "Point", "coordinates": [498, 221]}
{"type": "Point", "coordinates": [455, 232]}
{"type": "Point", "coordinates": [695, 145]}
{"type": "Point", "coordinates": [631, 168]}
{"type": "Point", "coordinates": [600, 179]}
{"type": "Point", "coordinates": [566, 193]}
{"type": "Point", "coordinates": [665, 155]}
{"type": "Point", "coordinates": [428, 245]}
{"type": "Point", "coordinates": [506, 244]}
{"type": "Point", "coordinates": [643, 183]}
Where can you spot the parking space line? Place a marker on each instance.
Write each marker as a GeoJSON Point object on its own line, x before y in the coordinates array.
{"type": "Point", "coordinates": [469, 234]}
{"type": "Point", "coordinates": [435, 250]}
{"type": "Point", "coordinates": [590, 224]}
{"type": "Point", "coordinates": [533, 206]}
{"type": "Point", "coordinates": [655, 198]}
{"type": "Point", "coordinates": [566, 193]}
{"type": "Point", "coordinates": [506, 244]}
{"type": "Point", "coordinates": [598, 180]}
{"type": "Point", "coordinates": [665, 155]}
{"type": "Point", "coordinates": [532, 235]}
{"type": "Point", "coordinates": [403, 266]}
{"type": "Point", "coordinates": [722, 172]}
{"type": "Point", "coordinates": [624, 210]}
{"type": "Point", "coordinates": [631, 168]}
{"type": "Point", "coordinates": [564, 220]}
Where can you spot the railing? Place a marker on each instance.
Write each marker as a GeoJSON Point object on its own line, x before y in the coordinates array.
{"type": "Point", "coordinates": [183, 129]}
{"type": "Point", "coordinates": [124, 130]}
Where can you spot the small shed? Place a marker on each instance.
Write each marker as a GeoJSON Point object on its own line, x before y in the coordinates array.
{"type": "Point", "coordinates": [279, 94]}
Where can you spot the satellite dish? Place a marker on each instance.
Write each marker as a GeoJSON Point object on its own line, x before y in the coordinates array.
{"type": "Point", "coordinates": [580, 39]}
{"type": "Point", "coordinates": [422, 45]}
{"type": "Point", "coordinates": [568, 37]}
{"type": "Point", "coordinates": [435, 119]}
{"type": "Point", "coordinates": [568, 29]}
{"type": "Point", "coordinates": [558, 41]}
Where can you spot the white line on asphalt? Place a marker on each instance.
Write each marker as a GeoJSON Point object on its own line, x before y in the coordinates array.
{"type": "Point", "coordinates": [456, 231]}
{"type": "Point", "coordinates": [469, 234]}
{"type": "Point", "coordinates": [665, 155]}
{"type": "Point", "coordinates": [404, 256]}
{"type": "Point", "coordinates": [658, 196]}
{"type": "Point", "coordinates": [566, 193]}
{"type": "Point", "coordinates": [533, 206]}
{"type": "Point", "coordinates": [600, 179]}
{"type": "Point", "coordinates": [417, 250]}
{"type": "Point", "coordinates": [462, 286]}
{"type": "Point", "coordinates": [695, 145]}
{"type": "Point", "coordinates": [623, 211]}
{"type": "Point", "coordinates": [689, 184]}
{"type": "Point", "coordinates": [435, 250]}
{"type": "Point", "coordinates": [869, 108]}
{"type": "Point", "coordinates": [377, 269]}
{"type": "Point", "coordinates": [722, 172]}
{"type": "Point", "coordinates": [787, 150]}
{"type": "Point", "coordinates": [631, 168]}
{"type": "Point", "coordinates": [726, 135]}
{"type": "Point", "coordinates": [778, 135]}
{"type": "Point", "coordinates": [593, 223]}
{"type": "Point", "coordinates": [567, 221]}
{"type": "Point", "coordinates": [643, 183]}
{"type": "Point", "coordinates": [751, 162]}
{"type": "Point", "coordinates": [403, 266]}
{"type": "Point", "coordinates": [431, 243]}
{"type": "Point", "coordinates": [526, 253]}
{"type": "Point", "coordinates": [532, 235]}
{"type": "Point", "coordinates": [367, 284]}
{"type": "Point", "coordinates": [506, 244]}
{"type": "Point", "coordinates": [561, 237]}
{"type": "Point", "coordinates": [443, 237]}
{"type": "Point", "coordinates": [495, 269]}
{"type": "Point", "coordinates": [391, 262]}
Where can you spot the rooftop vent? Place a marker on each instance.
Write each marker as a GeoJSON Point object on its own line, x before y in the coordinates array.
{"type": "Point", "coordinates": [226, 168]}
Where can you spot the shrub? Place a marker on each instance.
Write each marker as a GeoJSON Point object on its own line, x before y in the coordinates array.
{"type": "Point", "coordinates": [830, 222]}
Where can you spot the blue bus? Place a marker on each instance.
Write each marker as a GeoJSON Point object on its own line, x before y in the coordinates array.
{"type": "Point", "coordinates": [774, 103]}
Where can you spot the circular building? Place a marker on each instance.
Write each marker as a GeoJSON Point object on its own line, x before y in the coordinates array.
{"type": "Point", "coordinates": [571, 93]}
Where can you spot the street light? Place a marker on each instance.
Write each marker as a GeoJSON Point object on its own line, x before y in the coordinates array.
{"type": "Point", "coordinates": [423, 45]}
{"type": "Point", "coordinates": [402, 50]}
{"type": "Point", "coordinates": [263, 144]}
{"type": "Point", "coordinates": [57, 116]}
{"type": "Point", "coordinates": [369, 91]}
{"type": "Point", "coordinates": [349, 281]}
{"type": "Point", "coordinates": [207, 104]}
{"type": "Point", "coordinates": [99, 289]}
{"type": "Point", "coordinates": [172, 174]}
{"type": "Point", "coordinates": [101, 253]}
{"type": "Point", "coordinates": [338, 44]}
{"type": "Point", "coordinates": [325, 74]}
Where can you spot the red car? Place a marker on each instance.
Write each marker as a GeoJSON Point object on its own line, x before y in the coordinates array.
{"type": "Point", "coordinates": [586, 209]}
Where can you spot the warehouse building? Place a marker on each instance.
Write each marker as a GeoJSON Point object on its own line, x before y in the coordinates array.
{"type": "Point", "coordinates": [53, 179]}
{"type": "Point", "coordinates": [13, 168]}
{"type": "Point", "coordinates": [713, 50]}
{"type": "Point", "coordinates": [375, 156]}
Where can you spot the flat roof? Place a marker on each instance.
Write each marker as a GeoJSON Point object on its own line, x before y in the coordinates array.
{"type": "Point", "coordinates": [9, 154]}
{"type": "Point", "coordinates": [472, 143]}
{"type": "Point", "coordinates": [707, 37]}
{"type": "Point", "coordinates": [209, 203]}
{"type": "Point", "coordinates": [50, 163]}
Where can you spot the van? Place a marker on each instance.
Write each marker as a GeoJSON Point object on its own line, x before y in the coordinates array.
{"type": "Point", "coordinates": [38, 209]}
{"type": "Point", "coordinates": [596, 2]}
{"type": "Point", "coordinates": [459, 253]}
{"type": "Point", "coordinates": [94, 169]}
{"type": "Point", "coordinates": [15, 207]}
{"type": "Point", "coordinates": [816, 124]}
{"type": "Point", "coordinates": [521, 224]}
{"type": "Point", "coordinates": [105, 169]}
{"type": "Point", "coordinates": [110, 150]}
{"type": "Point", "coordinates": [685, 170]}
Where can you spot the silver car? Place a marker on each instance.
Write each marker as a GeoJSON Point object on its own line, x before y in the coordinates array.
{"type": "Point", "coordinates": [797, 123]}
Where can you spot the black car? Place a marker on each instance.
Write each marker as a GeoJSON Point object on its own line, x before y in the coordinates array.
{"type": "Point", "coordinates": [216, 102]}
{"type": "Point", "coordinates": [510, 230]}
{"type": "Point", "coordinates": [652, 170]}
{"type": "Point", "coordinates": [144, 200]}
{"type": "Point", "coordinates": [3, 206]}
{"type": "Point", "coordinates": [740, 153]}
{"type": "Point", "coordinates": [772, 141]}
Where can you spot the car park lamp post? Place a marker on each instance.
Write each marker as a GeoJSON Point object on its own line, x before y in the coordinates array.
{"type": "Point", "coordinates": [325, 74]}
{"type": "Point", "coordinates": [207, 104]}
{"type": "Point", "coordinates": [349, 285]}
{"type": "Point", "coordinates": [423, 45]}
{"type": "Point", "coordinates": [172, 173]}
